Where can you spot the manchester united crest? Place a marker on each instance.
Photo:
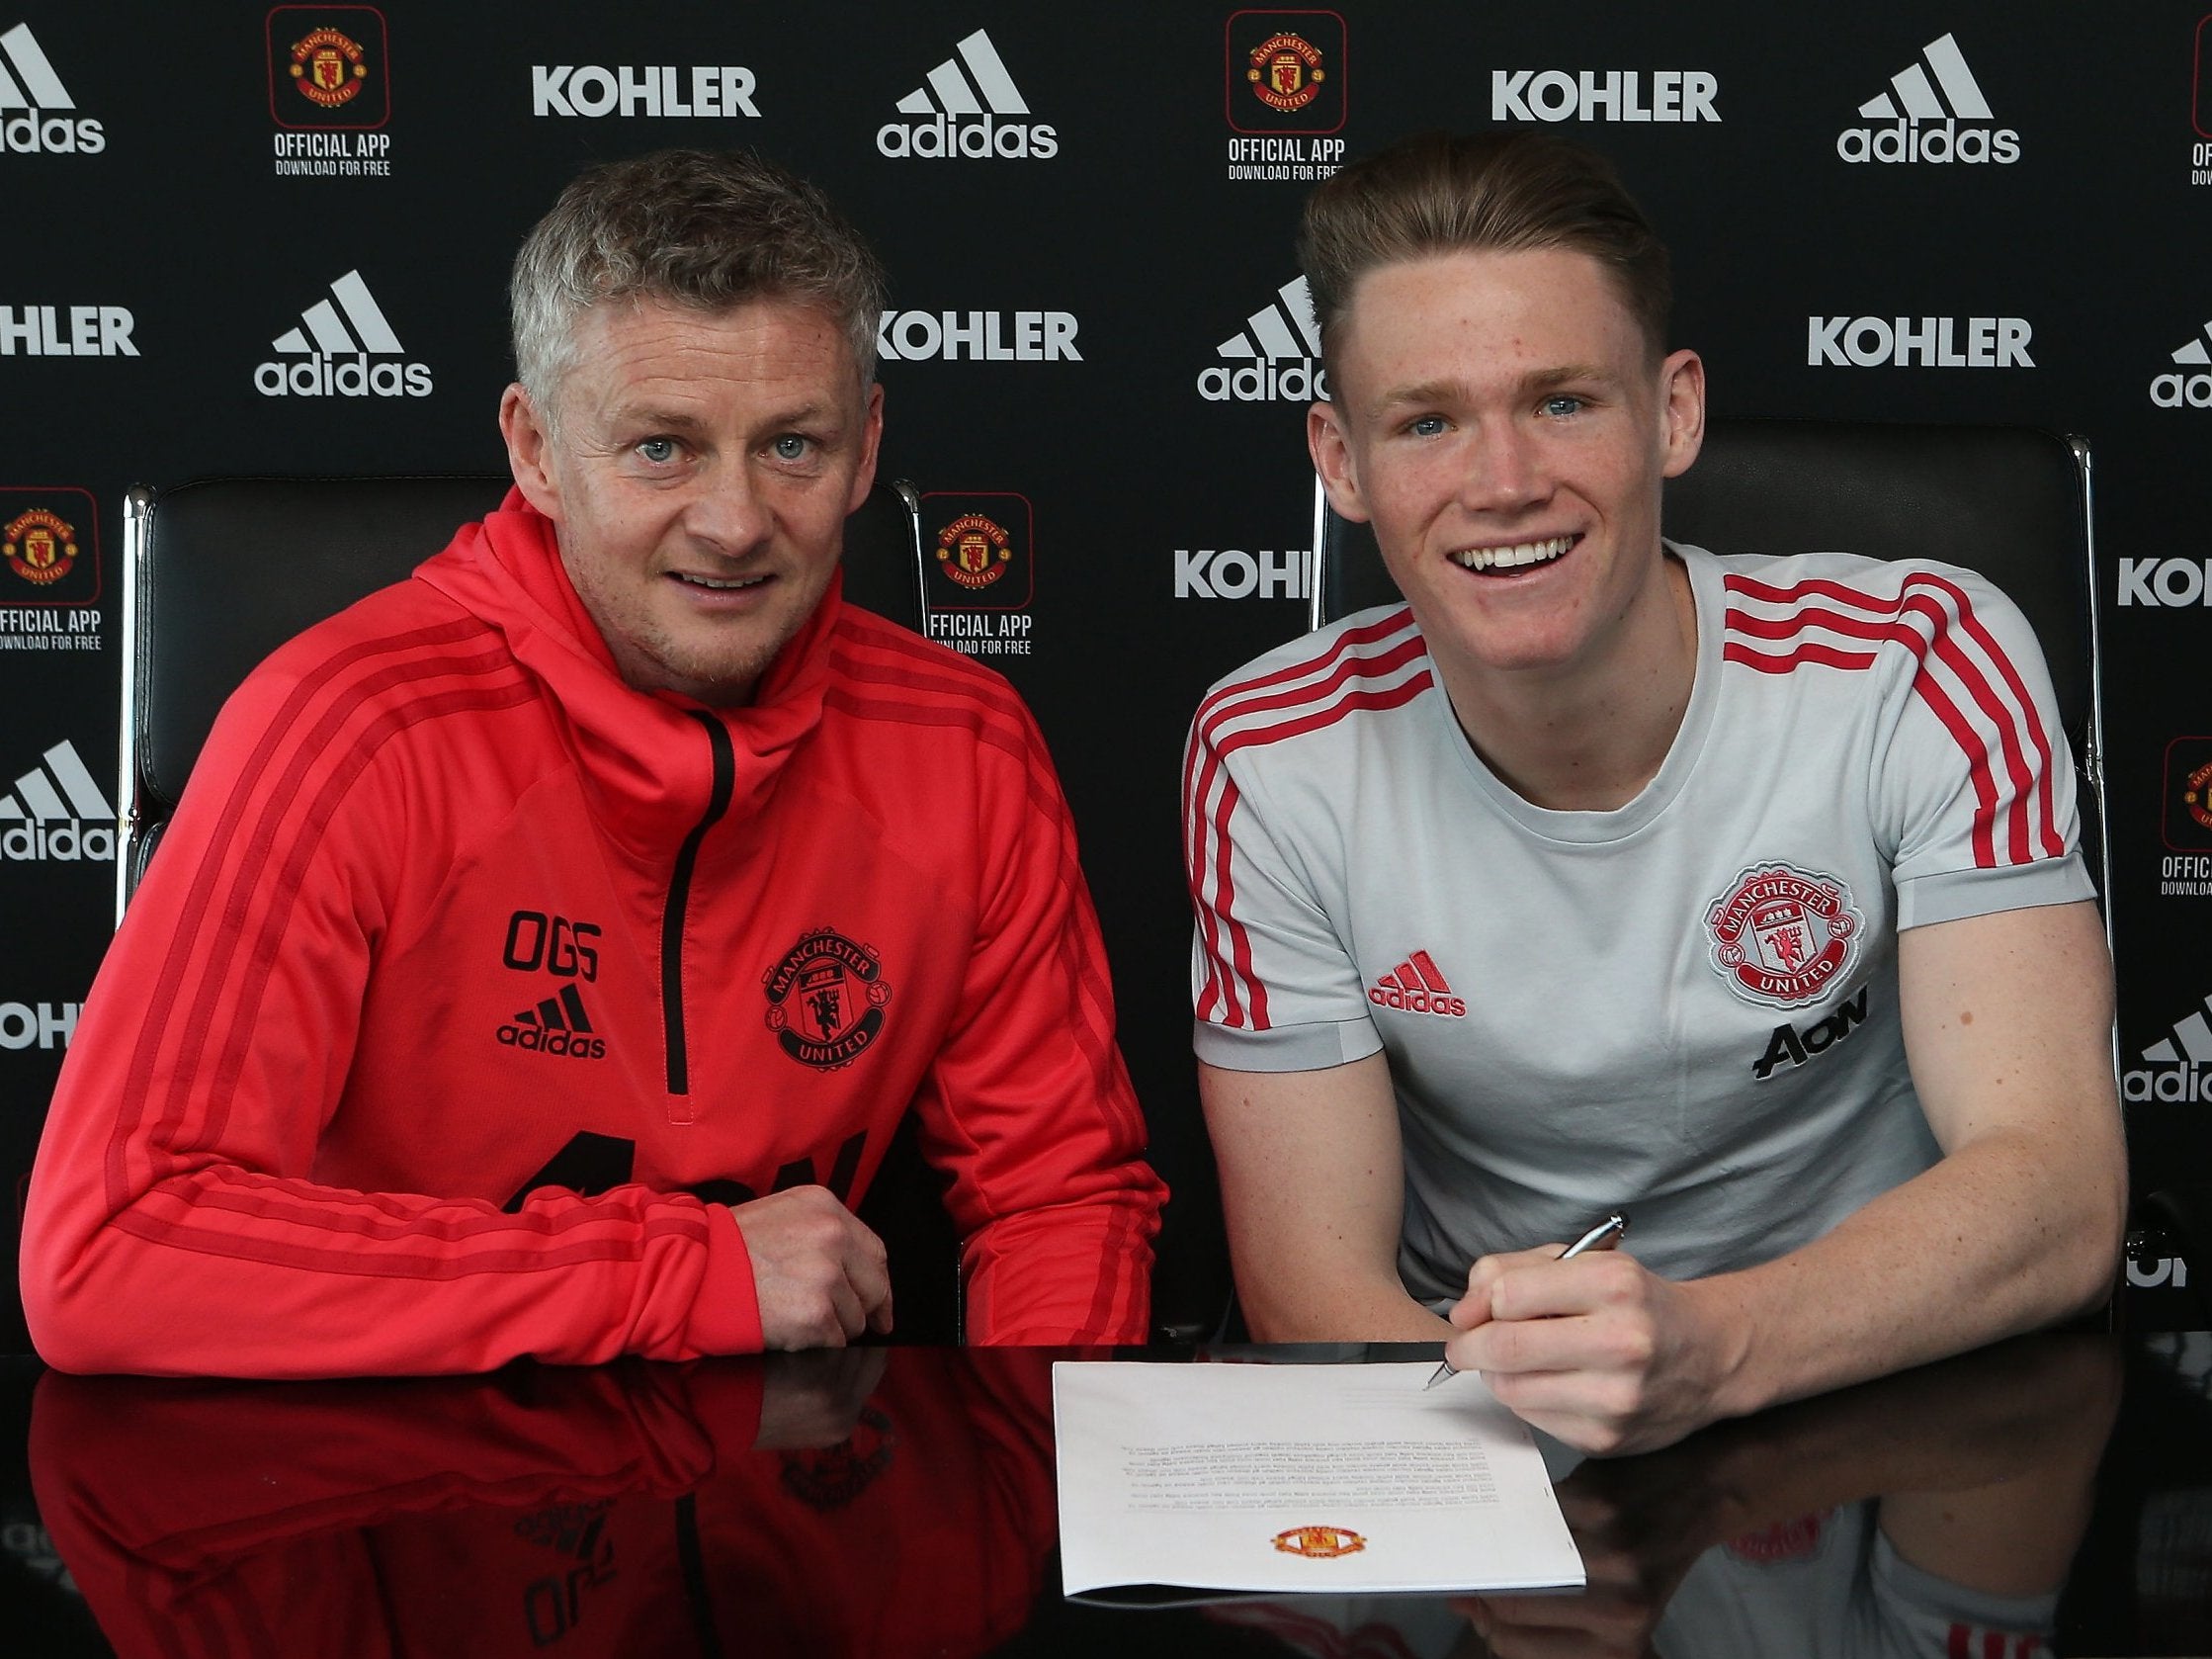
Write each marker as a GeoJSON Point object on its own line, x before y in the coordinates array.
{"type": "Point", "coordinates": [1286, 72]}
{"type": "Point", "coordinates": [39, 545]}
{"type": "Point", "coordinates": [826, 999]}
{"type": "Point", "coordinates": [1781, 937]}
{"type": "Point", "coordinates": [1319, 1543]}
{"type": "Point", "coordinates": [974, 549]}
{"type": "Point", "coordinates": [328, 67]}
{"type": "Point", "coordinates": [830, 1477]}
{"type": "Point", "coordinates": [1784, 1540]}
{"type": "Point", "coordinates": [2196, 796]}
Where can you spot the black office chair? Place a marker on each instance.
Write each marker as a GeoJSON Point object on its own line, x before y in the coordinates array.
{"type": "Point", "coordinates": [2009, 501]}
{"type": "Point", "coordinates": [219, 572]}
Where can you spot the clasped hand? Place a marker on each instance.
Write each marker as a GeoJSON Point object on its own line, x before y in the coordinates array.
{"type": "Point", "coordinates": [1600, 1351]}
{"type": "Point", "coordinates": [822, 1278]}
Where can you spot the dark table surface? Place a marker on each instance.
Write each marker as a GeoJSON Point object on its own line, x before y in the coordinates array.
{"type": "Point", "coordinates": [2052, 1495]}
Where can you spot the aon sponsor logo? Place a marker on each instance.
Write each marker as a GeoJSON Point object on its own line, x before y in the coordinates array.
{"type": "Point", "coordinates": [1789, 1046]}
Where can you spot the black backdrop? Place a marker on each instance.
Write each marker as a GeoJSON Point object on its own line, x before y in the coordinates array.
{"type": "Point", "coordinates": [1093, 348]}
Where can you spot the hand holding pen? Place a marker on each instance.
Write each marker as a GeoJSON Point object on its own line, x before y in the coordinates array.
{"type": "Point", "coordinates": [1604, 1236]}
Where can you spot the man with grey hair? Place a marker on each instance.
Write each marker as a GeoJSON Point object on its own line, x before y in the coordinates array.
{"type": "Point", "coordinates": [760, 872]}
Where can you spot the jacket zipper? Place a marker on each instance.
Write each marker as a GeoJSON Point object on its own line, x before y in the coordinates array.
{"type": "Point", "coordinates": [679, 899]}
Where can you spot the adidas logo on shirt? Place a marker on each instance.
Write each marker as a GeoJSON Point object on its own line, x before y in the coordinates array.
{"type": "Point", "coordinates": [2173, 391]}
{"type": "Point", "coordinates": [56, 812]}
{"type": "Point", "coordinates": [555, 1026]}
{"type": "Point", "coordinates": [331, 352]}
{"type": "Point", "coordinates": [1417, 985]}
{"type": "Point", "coordinates": [1939, 116]}
{"type": "Point", "coordinates": [1277, 357]}
{"type": "Point", "coordinates": [30, 91]}
{"type": "Point", "coordinates": [2173, 1067]}
{"type": "Point", "coordinates": [961, 109]}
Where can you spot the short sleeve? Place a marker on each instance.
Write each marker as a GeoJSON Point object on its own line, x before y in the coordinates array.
{"type": "Point", "coordinates": [1273, 986]}
{"type": "Point", "coordinates": [1974, 792]}
{"type": "Point", "coordinates": [1913, 1611]}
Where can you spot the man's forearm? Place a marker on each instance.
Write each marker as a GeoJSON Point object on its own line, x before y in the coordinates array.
{"type": "Point", "coordinates": [2007, 1234]}
{"type": "Point", "coordinates": [1371, 1312]}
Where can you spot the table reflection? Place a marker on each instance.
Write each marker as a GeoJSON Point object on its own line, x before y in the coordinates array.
{"type": "Point", "coordinates": [1935, 1512]}
{"type": "Point", "coordinates": [826, 1503]}
{"type": "Point", "coordinates": [900, 1501]}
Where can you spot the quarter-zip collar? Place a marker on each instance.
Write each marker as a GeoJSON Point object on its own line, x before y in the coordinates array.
{"type": "Point", "coordinates": [642, 752]}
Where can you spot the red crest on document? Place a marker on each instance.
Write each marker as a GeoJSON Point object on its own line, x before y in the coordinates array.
{"type": "Point", "coordinates": [1286, 72]}
{"type": "Point", "coordinates": [39, 545]}
{"type": "Point", "coordinates": [1319, 1543]}
{"type": "Point", "coordinates": [328, 67]}
{"type": "Point", "coordinates": [974, 549]}
{"type": "Point", "coordinates": [1781, 935]}
{"type": "Point", "coordinates": [825, 1000]}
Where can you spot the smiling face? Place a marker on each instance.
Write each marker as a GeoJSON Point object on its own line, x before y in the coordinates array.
{"type": "Point", "coordinates": [1501, 420]}
{"type": "Point", "coordinates": [698, 479]}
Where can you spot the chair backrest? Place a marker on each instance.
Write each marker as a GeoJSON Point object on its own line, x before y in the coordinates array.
{"type": "Point", "coordinates": [220, 572]}
{"type": "Point", "coordinates": [2007, 502]}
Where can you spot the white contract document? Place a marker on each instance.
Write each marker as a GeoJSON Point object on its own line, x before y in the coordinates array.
{"type": "Point", "coordinates": [1344, 1479]}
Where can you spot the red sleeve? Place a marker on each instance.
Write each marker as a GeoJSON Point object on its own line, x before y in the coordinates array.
{"type": "Point", "coordinates": [1029, 1104]}
{"type": "Point", "coordinates": [173, 1227]}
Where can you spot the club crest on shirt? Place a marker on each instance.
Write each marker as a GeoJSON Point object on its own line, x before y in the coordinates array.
{"type": "Point", "coordinates": [1781, 935]}
{"type": "Point", "coordinates": [830, 1477]}
{"type": "Point", "coordinates": [825, 998]}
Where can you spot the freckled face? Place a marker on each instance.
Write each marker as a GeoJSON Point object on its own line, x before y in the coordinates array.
{"type": "Point", "coordinates": [1501, 420]}
{"type": "Point", "coordinates": [699, 481]}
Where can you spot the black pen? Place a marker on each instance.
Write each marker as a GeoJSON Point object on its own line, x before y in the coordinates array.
{"type": "Point", "coordinates": [1604, 1236]}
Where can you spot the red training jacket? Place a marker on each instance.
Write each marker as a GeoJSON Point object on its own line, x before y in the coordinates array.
{"type": "Point", "coordinates": [453, 928]}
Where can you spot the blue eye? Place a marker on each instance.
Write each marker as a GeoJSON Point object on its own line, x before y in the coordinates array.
{"type": "Point", "coordinates": [1563, 403]}
{"type": "Point", "coordinates": [789, 447]}
{"type": "Point", "coordinates": [658, 451]}
{"type": "Point", "coordinates": [1428, 426]}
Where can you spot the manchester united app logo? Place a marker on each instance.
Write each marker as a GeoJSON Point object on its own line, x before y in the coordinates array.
{"type": "Point", "coordinates": [825, 1000]}
{"type": "Point", "coordinates": [2187, 821]}
{"type": "Point", "coordinates": [2195, 795]}
{"type": "Point", "coordinates": [39, 545]}
{"type": "Point", "coordinates": [974, 549]}
{"type": "Point", "coordinates": [1781, 937]}
{"type": "Point", "coordinates": [1319, 1543]}
{"type": "Point", "coordinates": [327, 68]}
{"type": "Point", "coordinates": [1286, 72]}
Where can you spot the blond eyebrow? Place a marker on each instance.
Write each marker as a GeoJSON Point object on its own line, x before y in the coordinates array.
{"type": "Point", "coordinates": [1453, 390]}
